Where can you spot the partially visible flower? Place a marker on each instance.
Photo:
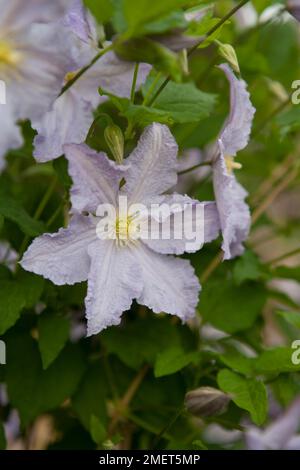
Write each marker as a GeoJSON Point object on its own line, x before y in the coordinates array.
{"type": "Point", "coordinates": [246, 17]}
{"type": "Point", "coordinates": [189, 159]}
{"type": "Point", "coordinates": [230, 195]}
{"type": "Point", "coordinates": [68, 120]}
{"type": "Point", "coordinates": [32, 61]}
{"type": "Point", "coordinates": [281, 434]}
{"type": "Point", "coordinates": [123, 268]}
{"type": "Point", "coordinates": [8, 256]}
{"type": "Point", "coordinates": [293, 7]}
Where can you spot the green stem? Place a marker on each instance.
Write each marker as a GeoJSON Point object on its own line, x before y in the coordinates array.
{"type": "Point", "coordinates": [195, 167]}
{"type": "Point", "coordinates": [38, 213]}
{"type": "Point", "coordinates": [85, 69]}
{"type": "Point", "coordinates": [151, 88]}
{"type": "Point", "coordinates": [168, 426]}
{"type": "Point", "coordinates": [289, 254]}
{"type": "Point", "coordinates": [133, 86]}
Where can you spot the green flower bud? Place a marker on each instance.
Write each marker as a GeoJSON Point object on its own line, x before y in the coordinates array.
{"type": "Point", "coordinates": [115, 141]}
{"type": "Point", "coordinates": [206, 401]}
{"type": "Point", "coordinates": [229, 54]}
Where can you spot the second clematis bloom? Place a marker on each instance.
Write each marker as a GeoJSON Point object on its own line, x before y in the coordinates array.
{"type": "Point", "coordinates": [33, 61]}
{"type": "Point", "coordinates": [69, 118]}
{"type": "Point", "coordinates": [123, 267]}
{"type": "Point", "coordinates": [230, 195]}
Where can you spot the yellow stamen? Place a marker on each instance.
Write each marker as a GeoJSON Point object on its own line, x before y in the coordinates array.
{"type": "Point", "coordinates": [69, 76]}
{"type": "Point", "coordinates": [231, 164]}
{"type": "Point", "coordinates": [8, 55]}
{"type": "Point", "coordinates": [126, 229]}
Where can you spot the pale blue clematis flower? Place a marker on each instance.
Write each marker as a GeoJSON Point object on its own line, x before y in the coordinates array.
{"type": "Point", "coordinates": [119, 272]}
{"type": "Point", "coordinates": [68, 120]}
{"type": "Point", "coordinates": [230, 195]}
{"type": "Point", "coordinates": [32, 61]}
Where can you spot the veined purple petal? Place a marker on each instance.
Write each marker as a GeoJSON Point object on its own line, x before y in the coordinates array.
{"type": "Point", "coordinates": [233, 211]}
{"type": "Point", "coordinates": [152, 164]}
{"type": "Point", "coordinates": [10, 136]}
{"type": "Point", "coordinates": [277, 435]}
{"type": "Point", "coordinates": [95, 178]}
{"type": "Point", "coordinates": [170, 284]}
{"type": "Point", "coordinates": [114, 281]}
{"type": "Point", "coordinates": [79, 20]}
{"type": "Point", "coordinates": [185, 235]}
{"type": "Point", "coordinates": [15, 15]}
{"type": "Point", "coordinates": [237, 128]}
{"type": "Point", "coordinates": [68, 121]}
{"type": "Point", "coordinates": [62, 257]}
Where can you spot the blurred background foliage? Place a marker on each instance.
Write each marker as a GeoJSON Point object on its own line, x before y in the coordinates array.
{"type": "Point", "coordinates": [125, 388]}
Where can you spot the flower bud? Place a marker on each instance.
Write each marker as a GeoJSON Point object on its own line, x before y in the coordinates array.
{"type": "Point", "coordinates": [115, 141]}
{"type": "Point", "coordinates": [229, 54]}
{"type": "Point", "coordinates": [206, 401]}
{"type": "Point", "coordinates": [293, 7]}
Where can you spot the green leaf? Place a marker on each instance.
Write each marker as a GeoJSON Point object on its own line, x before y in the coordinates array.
{"type": "Point", "coordinates": [141, 115]}
{"type": "Point", "coordinates": [90, 397]}
{"type": "Point", "coordinates": [141, 340]}
{"type": "Point", "coordinates": [249, 394]}
{"type": "Point", "coordinates": [60, 165]}
{"type": "Point", "coordinates": [31, 389]}
{"type": "Point", "coordinates": [172, 360]}
{"type": "Point", "coordinates": [17, 295]}
{"type": "Point", "coordinates": [152, 52]}
{"type": "Point", "coordinates": [31, 286]}
{"type": "Point", "coordinates": [287, 272]}
{"type": "Point", "coordinates": [184, 102]}
{"type": "Point", "coordinates": [98, 431]}
{"type": "Point", "coordinates": [12, 210]}
{"type": "Point", "coordinates": [12, 302]}
{"type": "Point", "coordinates": [223, 304]}
{"type": "Point", "coordinates": [291, 317]}
{"type": "Point", "coordinates": [276, 360]}
{"type": "Point", "coordinates": [2, 437]}
{"type": "Point", "coordinates": [247, 268]}
{"type": "Point", "coordinates": [101, 9]}
{"type": "Point", "coordinates": [53, 335]}
{"type": "Point", "coordinates": [148, 11]}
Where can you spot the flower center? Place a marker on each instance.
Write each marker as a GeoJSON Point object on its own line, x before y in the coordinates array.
{"type": "Point", "coordinates": [8, 55]}
{"type": "Point", "coordinates": [125, 229]}
{"type": "Point", "coordinates": [231, 164]}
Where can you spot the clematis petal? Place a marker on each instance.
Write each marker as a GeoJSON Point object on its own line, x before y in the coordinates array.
{"type": "Point", "coordinates": [10, 137]}
{"type": "Point", "coordinates": [284, 428]}
{"type": "Point", "coordinates": [152, 164]}
{"type": "Point", "coordinates": [15, 16]}
{"type": "Point", "coordinates": [114, 281]}
{"type": "Point", "coordinates": [234, 213]}
{"type": "Point", "coordinates": [41, 73]}
{"type": "Point", "coordinates": [62, 257]}
{"type": "Point", "coordinates": [68, 121]}
{"type": "Point", "coordinates": [116, 75]}
{"type": "Point", "coordinates": [237, 128]}
{"type": "Point", "coordinates": [188, 227]}
{"type": "Point", "coordinates": [254, 438]}
{"type": "Point", "coordinates": [80, 21]}
{"type": "Point", "coordinates": [170, 284]}
{"type": "Point", "coordinates": [95, 178]}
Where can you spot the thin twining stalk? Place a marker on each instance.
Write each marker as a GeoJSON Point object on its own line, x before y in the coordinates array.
{"type": "Point", "coordinates": [86, 68]}
{"type": "Point", "coordinates": [195, 47]}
